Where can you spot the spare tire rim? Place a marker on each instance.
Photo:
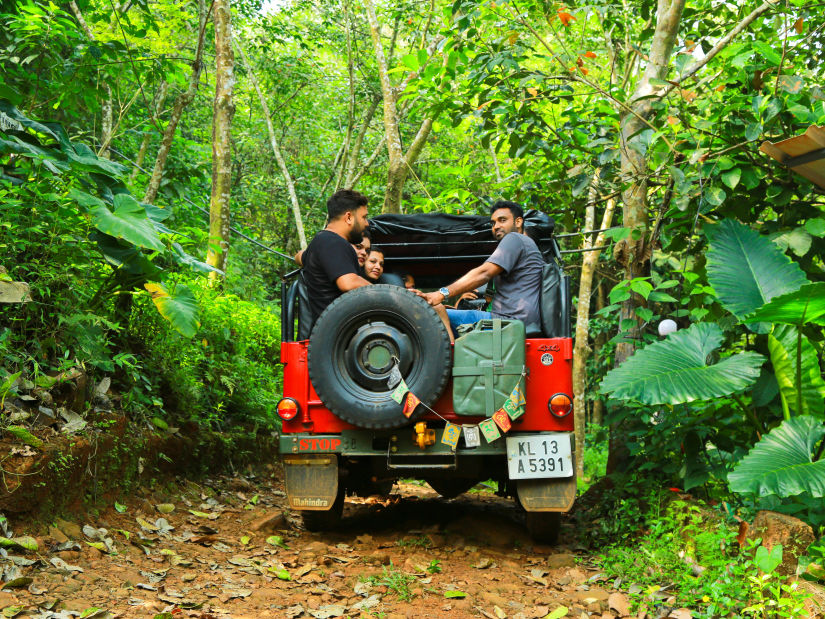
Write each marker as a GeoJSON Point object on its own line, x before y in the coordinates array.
{"type": "Point", "coordinates": [373, 348]}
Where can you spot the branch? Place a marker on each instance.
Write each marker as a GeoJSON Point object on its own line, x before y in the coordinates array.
{"type": "Point", "coordinates": [723, 42]}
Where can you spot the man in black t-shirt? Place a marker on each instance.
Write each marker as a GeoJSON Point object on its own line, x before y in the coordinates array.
{"type": "Point", "coordinates": [330, 263]}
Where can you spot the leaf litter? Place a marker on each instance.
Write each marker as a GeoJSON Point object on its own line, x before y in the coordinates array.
{"type": "Point", "coordinates": [180, 566]}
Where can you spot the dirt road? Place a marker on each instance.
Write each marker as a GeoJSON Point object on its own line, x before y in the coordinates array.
{"type": "Point", "coordinates": [227, 548]}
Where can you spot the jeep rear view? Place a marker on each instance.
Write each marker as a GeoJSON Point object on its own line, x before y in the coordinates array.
{"type": "Point", "coordinates": [498, 405]}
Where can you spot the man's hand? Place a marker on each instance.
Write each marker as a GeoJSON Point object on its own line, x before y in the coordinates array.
{"type": "Point", "coordinates": [469, 296]}
{"type": "Point", "coordinates": [433, 298]}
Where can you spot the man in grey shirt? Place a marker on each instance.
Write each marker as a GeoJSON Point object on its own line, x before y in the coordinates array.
{"type": "Point", "coordinates": [515, 265]}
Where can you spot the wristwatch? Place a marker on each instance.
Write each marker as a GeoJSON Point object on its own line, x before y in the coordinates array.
{"type": "Point", "coordinates": [445, 292]}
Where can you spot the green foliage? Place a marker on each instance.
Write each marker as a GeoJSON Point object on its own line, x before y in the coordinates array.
{"type": "Point", "coordinates": [693, 550]}
{"type": "Point", "coordinates": [396, 581]}
{"type": "Point", "coordinates": [228, 371]}
{"type": "Point", "coordinates": [798, 307]}
{"type": "Point", "coordinates": [746, 269]}
{"type": "Point", "coordinates": [177, 305]}
{"type": "Point", "coordinates": [782, 463]}
{"type": "Point", "coordinates": [677, 370]}
{"type": "Point", "coordinates": [802, 389]}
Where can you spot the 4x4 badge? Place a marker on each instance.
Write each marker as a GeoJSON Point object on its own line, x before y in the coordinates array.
{"type": "Point", "coordinates": [547, 359]}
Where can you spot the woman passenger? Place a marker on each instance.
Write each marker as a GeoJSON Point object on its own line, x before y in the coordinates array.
{"type": "Point", "coordinates": [374, 265]}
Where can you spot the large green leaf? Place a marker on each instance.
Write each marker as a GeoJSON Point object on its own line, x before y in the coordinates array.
{"type": "Point", "coordinates": [676, 370]}
{"type": "Point", "coordinates": [782, 345]}
{"type": "Point", "coordinates": [128, 220]}
{"type": "Point", "coordinates": [179, 306]}
{"type": "Point", "coordinates": [782, 462]}
{"type": "Point", "coordinates": [807, 304]}
{"type": "Point", "coordinates": [746, 269]}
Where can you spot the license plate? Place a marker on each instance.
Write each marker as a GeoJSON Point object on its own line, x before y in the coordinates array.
{"type": "Point", "coordinates": [539, 456]}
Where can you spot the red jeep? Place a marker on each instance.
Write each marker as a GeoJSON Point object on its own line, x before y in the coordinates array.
{"type": "Point", "coordinates": [343, 433]}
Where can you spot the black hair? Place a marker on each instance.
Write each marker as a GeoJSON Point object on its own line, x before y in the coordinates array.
{"type": "Point", "coordinates": [373, 248]}
{"type": "Point", "coordinates": [514, 208]}
{"type": "Point", "coordinates": [366, 233]}
{"type": "Point", "coordinates": [343, 201]}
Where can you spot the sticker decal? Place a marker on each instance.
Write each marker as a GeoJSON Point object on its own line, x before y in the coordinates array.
{"type": "Point", "coordinates": [547, 359]}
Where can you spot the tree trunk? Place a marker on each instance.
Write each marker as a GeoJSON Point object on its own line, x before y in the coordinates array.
{"type": "Point", "coordinates": [224, 109]}
{"type": "Point", "coordinates": [355, 153]}
{"type": "Point", "coordinates": [396, 174]}
{"type": "Point", "coordinates": [108, 102]}
{"type": "Point", "coordinates": [399, 163]}
{"type": "Point", "coordinates": [276, 150]}
{"type": "Point", "coordinates": [597, 414]}
{"type": "Point", "coordinates": [183, 100]}
{"type": "Point", "coordinates": [157, 106]}
{"type": "Point", "coordinates": [581, 350]}
{"type": "Point", "coordinates": [633, 253]}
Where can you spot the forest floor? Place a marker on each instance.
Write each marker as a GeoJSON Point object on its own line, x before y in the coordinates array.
{"type": "Point", "coordinates": [227, 547]}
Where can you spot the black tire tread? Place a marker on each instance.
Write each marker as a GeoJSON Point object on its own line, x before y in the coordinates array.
{"type": "Point", "coordinates": [434, 322]}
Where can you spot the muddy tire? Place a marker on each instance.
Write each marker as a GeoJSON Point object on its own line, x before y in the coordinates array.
{"type": "Point", "coordinates": [353, 348]}
{"type": "Point", "coordinates": [543, 526]}
{"type": "Point", "coordinates": [325, 520]}
{"type": "Point", "coordinates": [451, 488]}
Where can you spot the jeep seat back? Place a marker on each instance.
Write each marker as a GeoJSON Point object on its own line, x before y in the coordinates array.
{"type": "Point", "coordinates": [554, 304]}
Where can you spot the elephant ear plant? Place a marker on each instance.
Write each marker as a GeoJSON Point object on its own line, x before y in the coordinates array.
{"type": "Point", "coordinates": [769, 294]}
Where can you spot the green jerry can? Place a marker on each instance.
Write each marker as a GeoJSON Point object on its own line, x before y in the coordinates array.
{"type": "Point", "coordinates": [488, 363]}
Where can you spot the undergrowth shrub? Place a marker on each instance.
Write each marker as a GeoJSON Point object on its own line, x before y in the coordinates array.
{"type": "Point", "coordinates": [670, 552]}
{"type": "Point", "coordinates": [228, 372]}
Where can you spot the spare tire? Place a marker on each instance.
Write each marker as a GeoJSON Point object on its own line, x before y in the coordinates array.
{"type": "Point", "coordinates": [354, 345]}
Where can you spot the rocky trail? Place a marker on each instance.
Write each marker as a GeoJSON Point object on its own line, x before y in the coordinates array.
{"type": "Point", "coordinates": [227, 547]}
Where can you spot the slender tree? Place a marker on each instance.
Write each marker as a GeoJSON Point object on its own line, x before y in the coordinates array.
{"type": "Point", "coordinates": [400, 162]}
{"type": "Point", "coordinates": [181, 102]}
{"type": "Point", "coordinates": [276, 150]}
{"type": "Point", "coordinates": [223, 110]}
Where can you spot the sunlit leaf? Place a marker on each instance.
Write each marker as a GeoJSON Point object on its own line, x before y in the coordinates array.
{"type": "Point", "coordinates": [178, 306]}
{"type": "Point", "coordinates": [782, 462]}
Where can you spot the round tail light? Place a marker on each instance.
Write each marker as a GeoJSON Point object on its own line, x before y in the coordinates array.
{"type": "Point", "coordinates": [288, 409]}
{"type": "Point", "coordinates": [560, 405]}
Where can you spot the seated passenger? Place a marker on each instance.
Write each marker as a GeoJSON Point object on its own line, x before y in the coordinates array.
{"type": "Point", "coordinates": [363, 248]}
{"type": "Point", "coordinates": [330, 263]}
{"type": "Point", "coordinates": [516, 265]}
{"type": "Point", "coordinates": [374, 265]}
{"type": "Point", "coordinates": [374, 269]}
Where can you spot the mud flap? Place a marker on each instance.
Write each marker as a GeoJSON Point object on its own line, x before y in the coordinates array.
{"type": "Point", "coordinates": [547, 495]}
{"type": "Point", "coordinates": [311, 481]}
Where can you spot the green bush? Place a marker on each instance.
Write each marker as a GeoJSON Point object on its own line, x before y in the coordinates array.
{"type": "Point", "coordinates": [228, 371]}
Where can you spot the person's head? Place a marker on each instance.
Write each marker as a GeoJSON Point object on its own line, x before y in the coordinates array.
{"type": "Point", "coordinates": [409, 281]}
{"type": "Point", "coordinates": [506, 217]}
{"type": "Point", "coordinates": [363, 248]}
{"type": "Point", "coordinates": [374, 266]}
{"type": "Point", "coordinates": [347, 210]}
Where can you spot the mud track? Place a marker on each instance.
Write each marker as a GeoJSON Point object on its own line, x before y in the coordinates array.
{"type": "Point", "coordinates": [228, 547]}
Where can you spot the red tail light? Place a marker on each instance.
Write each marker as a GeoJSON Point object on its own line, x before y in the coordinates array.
{"type": "Point", "coordinates": [288, 409]}
{"type": "Point", "coordinates": [560, 405]}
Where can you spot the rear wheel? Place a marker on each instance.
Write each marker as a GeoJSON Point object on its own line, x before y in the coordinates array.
{"type": "Point", "coordinates": [325, 520]}
{"type": "Point", "coordinates": [543, 526]}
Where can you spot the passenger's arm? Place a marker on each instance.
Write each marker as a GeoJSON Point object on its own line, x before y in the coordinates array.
{"type": "Point", "coordinates": [299, 258]}
{"type": "Point", "coordinates": [470, 281]}
{"type": "Point", "coordinates": [350, 281]}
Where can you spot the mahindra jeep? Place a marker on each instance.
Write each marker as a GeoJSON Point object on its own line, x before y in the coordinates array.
{"type": "Point", "coordinates": [344, 427]}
